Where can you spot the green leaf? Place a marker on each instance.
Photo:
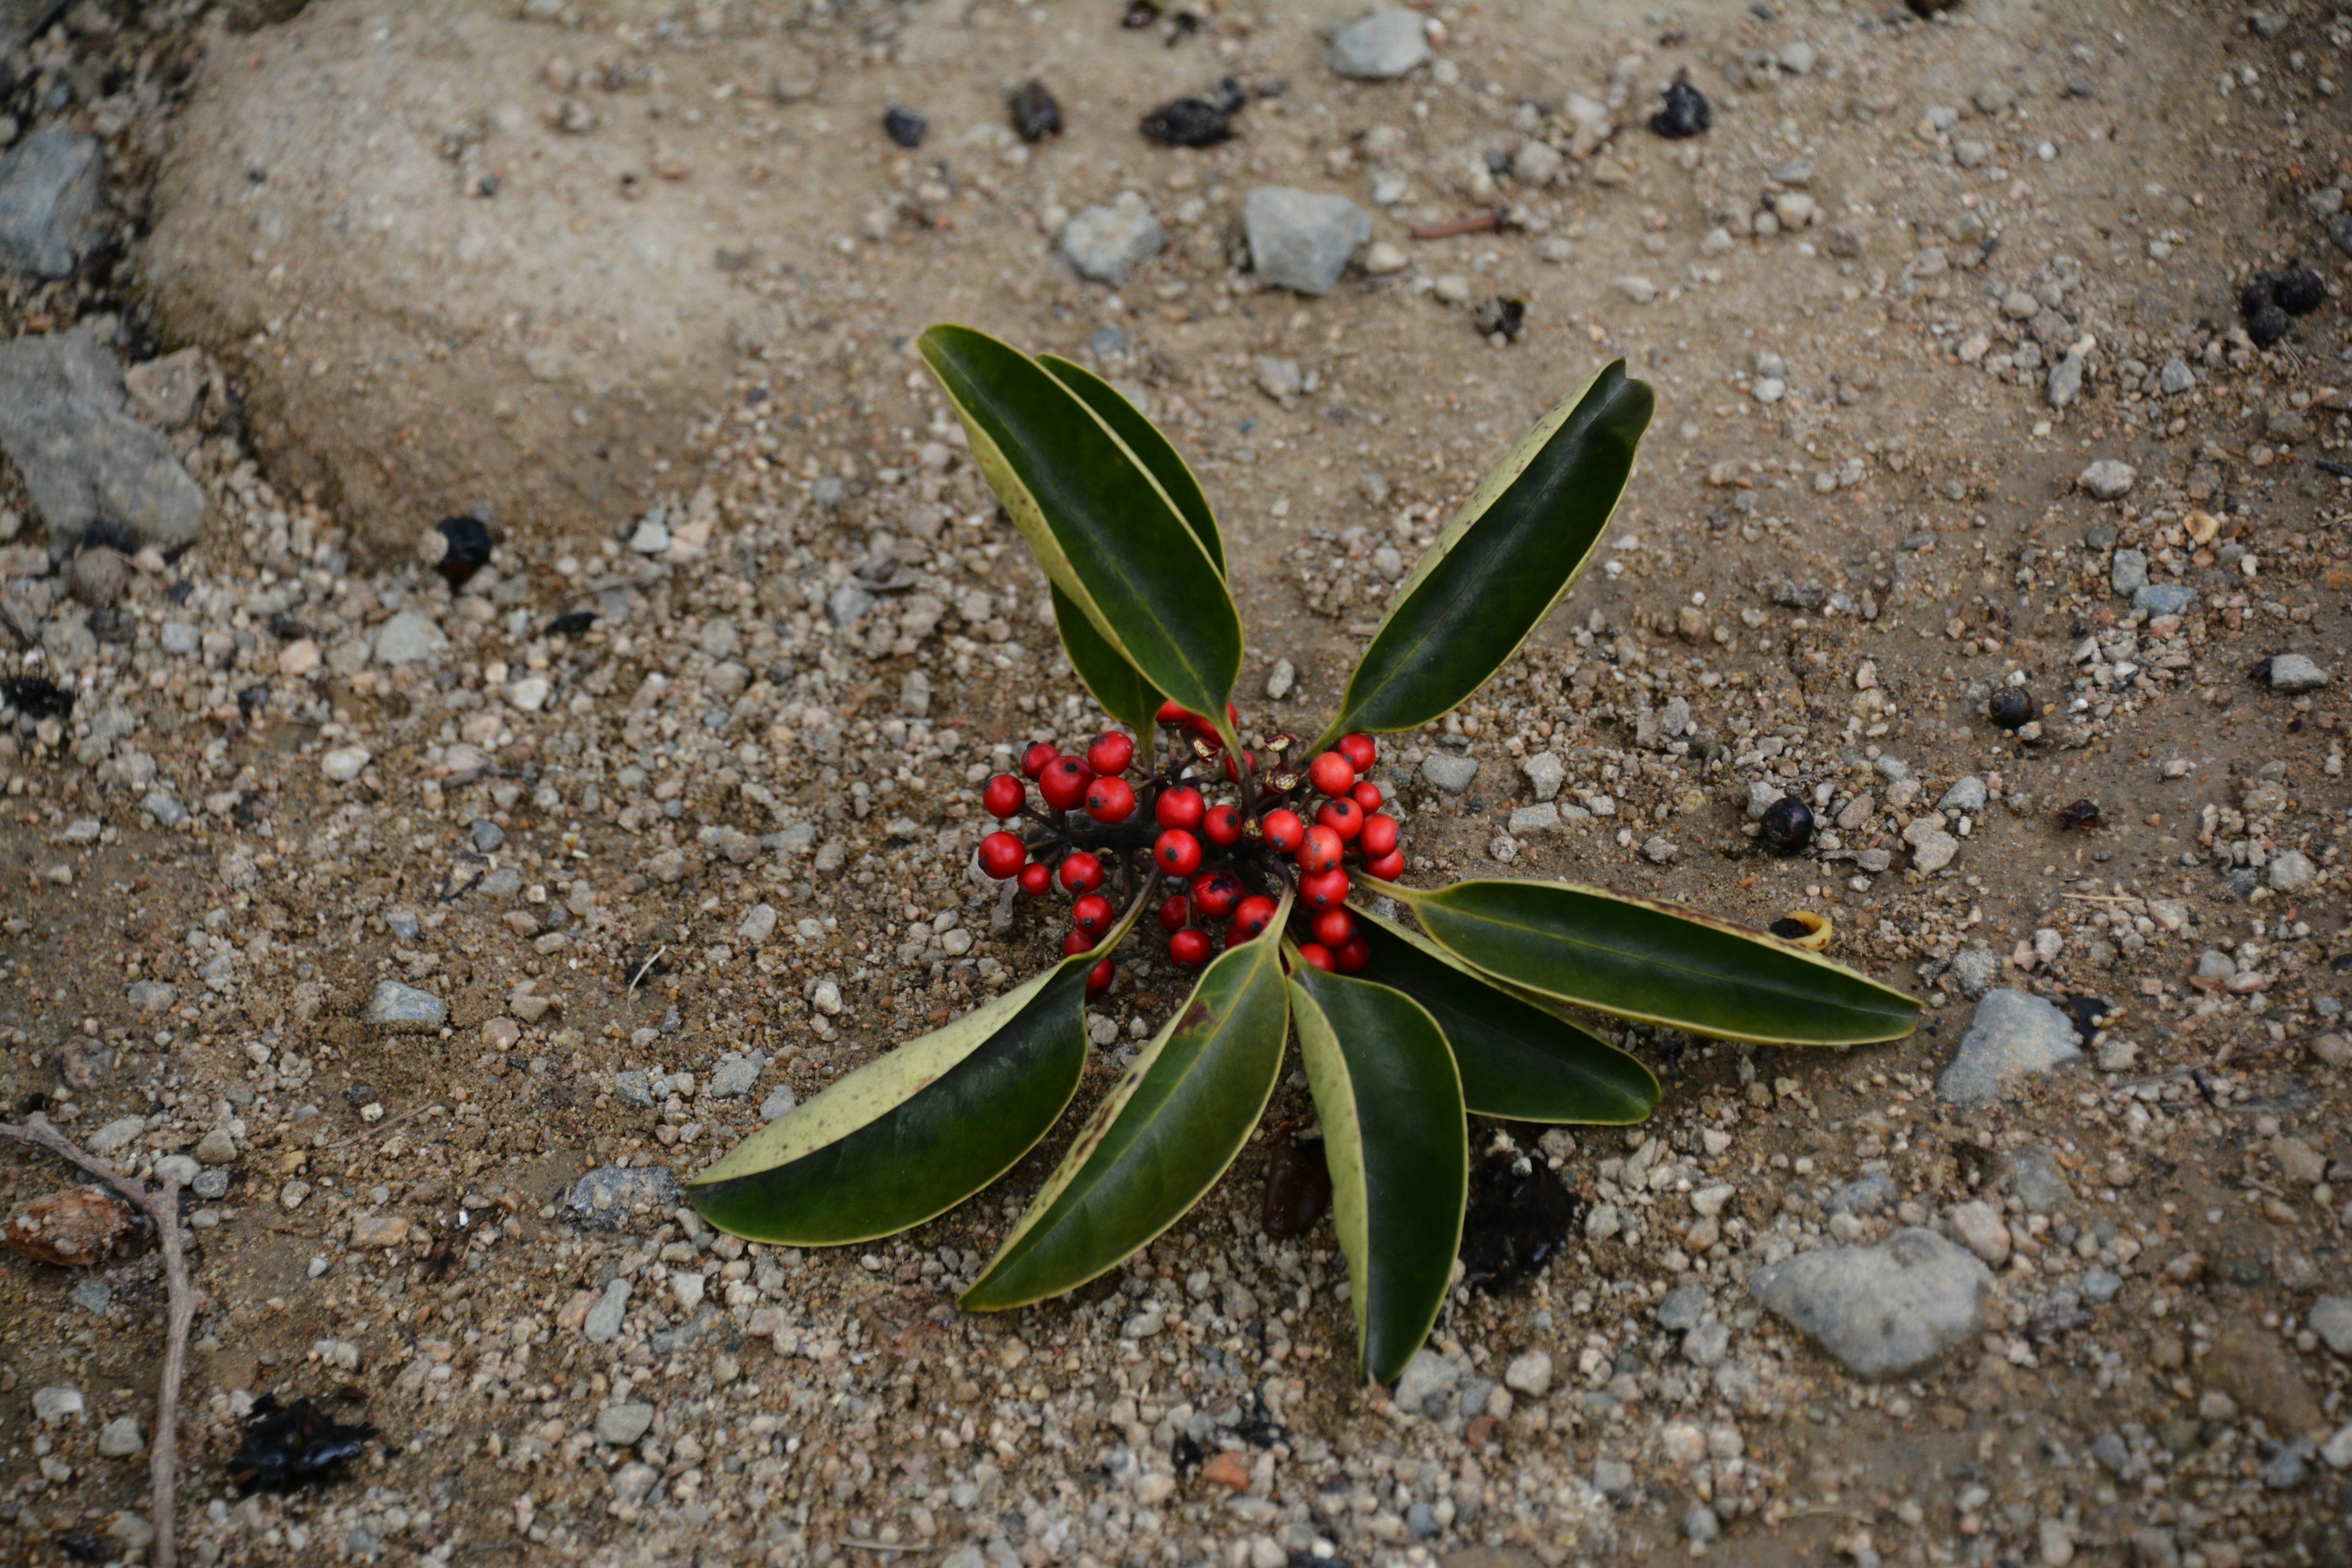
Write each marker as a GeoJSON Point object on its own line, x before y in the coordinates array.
{"type": "Point", "coordinates": [1106, 533]}
{"type": "Point", "coordinates": [1657, 963]}
{"type": "Point", "coordinates": [1398, 1148]}
{"type": "Point", "coordinates": [1518, 1061]}
{"type": "Point", "coordinates": [1161, 1137]}
{"type": "Point", "coordinates": [913, 1133]}
{"type": "Point", "coordinates": [1502, 562]}
{"type": "Point", "coordinates": [1151, 449]}
{"type": "Point", "coordinates": [1117, 685]}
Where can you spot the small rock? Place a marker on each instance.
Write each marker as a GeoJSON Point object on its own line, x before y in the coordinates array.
{"type": "Point", "coordinates": [2108, 479]}
{"type": "Point", "coordinates": [758, 925]}
{"type": "Point", "coordinates": [1612, 1477]}
{"type": "Point", "coordinates": [97, 577]}
{"type": "Point", "coordinates": [603, 1324]}
{"type": "Point", "coordinates": [2331, 1318]}
{"type": "Point", "coordinates": [2127, 571]}
{"type": "Point", "coordinates": [780, 1101]}
{"type": "Point", "coordinates": [49, 188]}
{"type": "Point", "coordinates": [1932, 848]}
{"type": "Point", "coordinates": [1682, 1310]}
{"type": "Point", "coordinates": [2066, 386]}
{"type": "Point", "coordinates": [2165, 599]}
{"type": "Point", "coordinates": [618, 1197]}
{"type": "Point", "coordinates": [379, 1233]}
{"type": "Point", "coordinates": [848, 605]}
{"type": "Point", "coordinates": [1541, 817]}
{"type": "Point", "coordinates": [1280, 679]}
{"type": "Point", "coordinates": [2288, 870]}
{"type": "Point", "coordinates": [1982, 1231]}
{"type": "Point", "coordinates": [398, 1009]}
{"type": "Point", "coordinates": [2035, 1180]}
{"type": "Point", "coordinates": [1529, 1373]}
{"type": "Point", "coordinates": [1966, 797]}
{"type": "Point", "coordinates": [1424, 1376]}
{"type": "Point", "coordinates": [1545, 772]}
{"type": "Point", "coordinates": [736, 1074]}
{"type": "Point", "coordinates": [54, 1404]}
{"type": "Point", "coordinates": [2292, 674]}
{"type": "Point", "coordinates": [80, 457]}
{"type": "Point", "coordinates": [2176, 377]}
{"type": "Point", "coordinates": [1279, 378]}
{"type": "Point", "coordinates": [1383, 45]}
{"type": "Point", "coordinates": [1108, 243]}
{"type": "Point", "coordinates": [1448, 772]}
{"type": "Point", "coordinates": [2252, 1369]}
{"type": "Point", "coordinates": [1700, 1525]}
{"type": "Point", "coordinates": [2012, 1035]}
{"type": "Point", "coordinates": [1301, 240]}
{"type": "Point", "coordinates": [120, 1438]}
{"type": "Point", "coordinates": [1798, 57]}
{"type": "Point", "coordinates": [409, 637]}
{"type": "Point", "coordinates": [116, 1136]}
{"type": "Point", "coordinates": [1881, 1310]}
{"type": "Point", "coordinates": [622, 1425]}
{"type": "Point", "coordinates": [1537, 163]}
{"type": "Point", "coordinates": [72, 1229]}
{"type": "Point", "coordinates": [1381, 257]}
{"type": "Point", "coordinates": [218, 1147]}
{"type": "Point", "coordinates": [165, 391]}
{"type": "Point", "coordinates": [91, 1296]}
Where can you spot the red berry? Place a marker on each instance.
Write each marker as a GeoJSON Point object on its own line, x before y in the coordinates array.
{"type": "Point", "coordinates": [1331, 772]}
{"type": "Point", "coordinates": [1174, 713]}
{"type": "Point", "coordinates": [1110, 753]}
{"type": "Point", "coordinates": [1352, 955]}
{"type": "Point", "coordinates": [1322, 850]}
{"type": "Point", "coordinates": [1367, 795]}
{"type": "Point", "coordinates": [1252, 915]}
{"type": "Point", "coordinates": [1064, 782]}
{"type": "Point", "coordinates": [1332, 927]}
{"type": "Point", "coordinates": [1324, 889]}
{"type": "Point", "coordinates": [1359, 749]}
{"type": "Point", "coordinates": [1388, 867]}
{"type": "Point", "coordinates": [1378, 836]}
{"type": "Point", "coordinates": [1081, 872]}
{"type": "Point", "coordinates": [1098, 978]}
{"type": "Point", "coordinates": [1342, 816]}
{"type": "Point", "coordinates": [1034, 761]}
{"type": "Point", "coordinates": [1174, 912]}
{"type": "Point", "coordinates": [1284, 830]}
{"type": "Point", "coordinates": [1111, 799]}
{"type": "Point", "coordinates": [1002, 855]}
{"type": "Point", "coordinates": [1092, 914]}
{"type": "Point", "coordinates": [1316, 953]}
{"type": "Point", "coordinates": [1004, 795]}
{"type": "Point", "coordinates": [1178, 808]}
{"type": "Point", "coordinates": [1214, 895]}
{"type": "Point", "coordinates": [1035, 878]}
{"type": "Point", "coordinates": [1190, 949]}
{"type": "Point", "coordinates": [1177, 852]}
{"type": "Point", "coordinates": [1222, 824]}
{"type": "Point", "coordinates": [1076, 942]}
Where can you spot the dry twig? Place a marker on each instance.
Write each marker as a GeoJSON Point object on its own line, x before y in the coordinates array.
{"type": "Point", "coordinates": [163, 1209]}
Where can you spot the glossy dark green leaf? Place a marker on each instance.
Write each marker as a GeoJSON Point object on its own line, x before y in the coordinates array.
{"type": "Point", "coordinates": [1657, 963]}
{"type": "Point", "coordinates": [1117, 685]}
{"type": "Point", "coordinates": [1518, 1060]}
{"type": "Point", "coordinates": [1399, 1152]}
{"type": "Point", "coordinates": [1099, 524]}
{"type": "Point", "coordinates": [912, 1133]}
{"type": "Point", "coordinates": [1161, 1137]}
{"type": "Point", "coordinates": [1151, 449]}
{"type": "Point", "coordinates": [1502, 562]}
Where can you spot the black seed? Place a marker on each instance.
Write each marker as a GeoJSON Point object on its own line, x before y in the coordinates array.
{"type": "Point", "coordinates": [1035, 113]}
{"type": "Point", "coordinates": [2011, 708]}
{"type": "Point", "coordinates": [571, 623]}
{"type": "Point", "coordinates": [105, 533]}
{"type": "Point", "coordinates": [2299, 290]}
{"type": "Point", "coordinates": [37, 697]}
{"type": "Point", "coordinates": [1508, 317]}
{"type": "Point", "coordinates": [1685, 114]}
{"type": "Point", "coordinates": [2082, 815]}
{"type": "Point", "coordinates": [300, 1444]}
{"type": "Point", "coordinates": [1789, 930]}
{"type": "Point", "coordinates": [2266, 326]}
{"type": "Point", "coordinates": [1787, 825]}
{"type": "Point", "coordinates": [1194, 121]}
{"type": "Point", "coordinates": [469, 548]}
{"type": "Point", "coordinates": [1516, 1222]}
{"type": "Point", "coordinates": [2260, 292]}
{"type": "Point", "coordinates": [905, 127]}
{"type": "Point", "coordinates": [1297, 1187]}
{"type": "Point", "coordinates": [285, 628]}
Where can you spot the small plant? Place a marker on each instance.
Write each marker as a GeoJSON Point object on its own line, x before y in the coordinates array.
{"type": "Point", "coordinates": [1403, 1032]}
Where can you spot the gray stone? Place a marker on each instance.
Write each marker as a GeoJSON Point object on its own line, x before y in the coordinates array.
{"type": "Point", "coordinates": [2101, 1287]}
{"type": "Point", "coordinates": [1383, 45]}
{"type": "Point", "coordinates": [780, 1100]}
{"type": "Point", "coordinates": [915, 695]}
{"type": "Point", "coordinates": [2165, 599]}
{"type": "Point", "coordinates": [167, 813]}
{"type": "Point", "coordinates": [1865, 1194]}
{"type": "Point", "coordinates": [409, 637]}
{"type": "Point", "coordinates": [488, 834]}
{"type": "Point", "coordinates": [1966, 797]}
{"type": "Point", "coordinates": [1424, 1376]}
{"type": "Point", "coordinates": [2035, 1180]}
{"type": "Point", "coordinates": [617, 1197]}
{"type": "Point", "coordinates": [1539, 818]}
{"type": "Point", "coordinates": [1545, 772]}
{"type": "Point", "coordinates": [2013, 1036]}
{"type": "Point", "coordinates": [1682, 1310]}
{"type": "Point", "coordinates": [848, 605]}
{"type": "Point", "coordinates": [218, 1147]}
{"type": "Point", "coordinates": [634, 1483]}
{"type": "Point", "coordinates": [116, 1136]}
{"type": "Point", "coordinates": [2107, 478]}
{"type": "Point", "coordinates": [2066, 384]}
{"type": "Point", "coordinates": [1108, 243]}
{"type": "Point", "coordinates": [1529, 1373]}
{"type": "Point", "coordinates": [2331, 1318]}
{"type": "Point", "coordinates": [1612, 1477]}
{"type": "Point", "coordinates": [1976, 968]}
{"type": "Point", "coordinates": [1279, 379]}
{"type": "Point", "coordinates": [1700, 1525]}
{"type": "Point", "coordinates": [92, 1296]}
{"type": "Point", "coordinates": [81, 456]}
{"type": "Point", "coordinates": [1449, 772]}
{"type": "Point", "coordinates": [2127, 571]}
{"type": "Point", "coordinates": [603, 1324]}
{"type": "Point", "coordinates": [635, 1088]}
{"type": "Point", "coordinates": [49, 185]}
{"type": "Point", "coordinates": [2291, 1465]}
{"type": "Point", "coordinates": [1881, 1310]}
{"type": "Point", "coordinates": [54, 1404]}
{"type": "Point", "coordinates": [120, 1438]}
{"type": "Point", "coordinates": [2176, 377]}
{"type": "Point", "coordinates": [210, 1186]}
{"type": "Point", "coordinates": [737, 1074]}
{"type": "Point", "coordinates": [2288, 870]}
{"type": "Point", "coordinates": [2293, 674]}
{"type": "Point", "coordinates": [398, 1009]}
{"type": "Point", "coordinates": [1301, 239]}
{"type": "Point", "coordinates": [622, 1425]}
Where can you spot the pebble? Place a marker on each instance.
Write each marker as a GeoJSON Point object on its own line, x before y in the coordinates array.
{"type": "Point", "coordinates": [1932, 848]}
{"type": "Point", "coordinates": [1981, 1228]}
{"type": "Point", "coordinates": [2108, 479]}
{"type": "Point", "coordinates": [1541, 817]}
{"type": "Point", "coordinates": [622, 1425]}
{"type": "Point", "coordinates": [1108, 243]}
{"type": "Point", "coordinates": [409, 637]}
{"type": "Point", "coordinates": [116, 1136]}
{"type": "Point", "coordinates": [91, 1296]}
{"type": "Point", "coordinates": [1448, 772]}
{"type": "Point", "coordinates": [1426, 1376]}
{"type": "Point", "coordinates": [2293, 674]}
{"type": "Point", "coordinates": [1301, 240]}
{"type": "Point", "coordinates": [1545, 772]}
{"type": "Point", "coordinates": [1529, 1373]}
{"type": "Point", "coordinates": [2066, 386]}
{"type": "Point", "coordinates": [1882, 1311]}
{"type": "Point", "coordinates": [1684, 1308]}
{"type": "Point", "coordinates": [71, 1229]}
{"type": "Point", "coordinates": [1279, 378]}
{"type": "Point", "coordinates": [1280, 679]}
{"type": "Point", "coordinates": [758, 925]}
{"type": "Point", "coordinates": [49, 188]}
{"type": "Point", "coordinates": [1966, 797]}
{"type": "Point", "coordinates": [618, 1197]}
{"type": "Point", "coordinates": [2165, 599]}
{"type": "Point", "coordinates": [736, 1074]}
{"type": "Point", "coordinates": [2012, 1035]}
{"type": "Point", "coordinates": [80, 457]}
{"type": "Point", "coordinates": [398, 1009]}
{"type": "Point", "coordinates": [218, 1147]}
{"type": "Point", "coordinates": [2035, 1180]}
{"type": "Point", "coordinates": [97, 577]}
{"type": "Point", "coordinates": [1381, 46]}
{"type": "Point", "coordinates": [1383, 258]}
{"type": "Point", "coordinates": [2288, 870]}
{"type": "Point", "coordinates": [53, 1404]}
{"type": "Point", "coordinates": [2176, 377]}
{"type": "Point", "coordinates": [603, 1324]}
{"type": "Point", "coordinates": [2331, 1318]}
{"type": "Point", "coordinates": [1798, 57]}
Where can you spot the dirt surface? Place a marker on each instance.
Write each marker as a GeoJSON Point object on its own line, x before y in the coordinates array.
{"type": "Point", "coordinates": [1858, 518]}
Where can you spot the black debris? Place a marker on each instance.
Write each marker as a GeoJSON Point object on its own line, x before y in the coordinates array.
{"type": "Point", "coordinates": [105, 533]}
{"type": "Point", "coordinates": [1517, 1220]}
{"type": "Point", "coordinates": [82, 1546]}
{"type": "Point", "coordinates": [37, 697]}
{"type": "Point", "coordinates": [2298, 290]}
{"type": "Point", "coordinates": [1195, 122]}
{"type": "Point", "coordinates": [468, 552]}
{"type": "Point", "coordinates": [1685, 112]}
{"type": "Point", "coordinates": [571, 623]}
{"type": "Point", "coordinates": [1036, 114]}
{"type": "Point", "coordinates": [1787, 825]}
{"type": "Point", "coordinates": [1140, 13]}
{"type": "Point", "coordinates": [1507, 316]}
{"type": "Point", "coordinates": [1789, 928]}
{"type": "Point", "coordinates": [2082, 815]}
{"type": "Point", "coordinates": [905, 127]}
{"type": "Point", "coordinates": [1297, 1185]}
{"type": "Point", "coordinates": [2011, 708]}
{"type": "Point", "coordinates": [298, 1445]}
{"type": "Point", "coordinates": [2089, 1014]}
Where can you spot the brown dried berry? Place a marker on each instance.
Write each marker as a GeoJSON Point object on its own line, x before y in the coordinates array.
{"type": "Point", "coordinates": [72, 1229]}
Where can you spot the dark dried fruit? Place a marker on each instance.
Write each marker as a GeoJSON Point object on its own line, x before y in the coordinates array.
{"type": "Point", "coordinates": [300, 1444]}
{"type": "Point", "coordinates": [71, 1229]}
{"type": "Point", "coordinates": [1195, 122]}
{"type": "Point", "coordinates": [571, 623]}
{"type": "Point", "coordinates": [2298, 290]}
{"type": "Point", "coordinates": [468, 549]}
{"type": "Point", "coordinates": [285, 628]}
{"type": "Point", "coordinates": [905, 127]}
{"type": "Point", "coordinates": [1508, 317]}
{"type": "Point", "coordinates": [1516, 1222]}
{"type": "Point", "coordinates": [2082, 815]}
{"type": "Point", "coordinates": [1297, 1185]}
{"type": "Point", "coordinates": [1035, 113]}
{"type": "Point", "coordinates": [37, 697]}
{"type": "Point", "coordinates": [1787, 825]}
{"type": "Point", "coordinates": [1685, 112]}
{"type": "Point", "coordinates": [1789, 928]}
{"type": "Point", "coordinates": [2011, 708]}
{"type": "Point", "coordinates": [2267, 325]}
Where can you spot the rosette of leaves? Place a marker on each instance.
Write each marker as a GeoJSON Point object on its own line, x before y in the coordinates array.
{"type": "Point", "coordinates": [1472, 1007]}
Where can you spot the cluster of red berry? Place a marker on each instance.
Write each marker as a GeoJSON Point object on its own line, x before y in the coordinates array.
{"type": "Point", "coordinates": [1227, 860]}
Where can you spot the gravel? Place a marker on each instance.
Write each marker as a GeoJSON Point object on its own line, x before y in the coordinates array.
{"type": "Point", "coordinates": [2293, 674]}
{"type": "Point", "coordinates": [1882, 1311]}
{"type": "Point", "coordinates": [1108, 243]}
{"type": "Point", "coordinates": [2012, 1037]}
{"type": "Point", "coordinates": [2108, 479]}
{"type": "Point", "coordinates": [49, 188]}
{"type": "Point", "coordinates": [1447, 772]}
{"type": "Point", "coordinates": [1382, 45]}
{"type": "Point", "coordinates": [397, 1009]}
{"type": "Point", "coordinates": [1301, 240]}
{"type": "Point", "coordinates": [80, 457]}
{"type": "Point", "coordinates": [616, 1197]}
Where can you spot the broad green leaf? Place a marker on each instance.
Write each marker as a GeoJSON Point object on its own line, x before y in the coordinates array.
{"type": "Point", "coordinates": [915, 1133]}
{"type": "Point", "coordinates": [1657, 963]}
{"type": "Point", "coordinates": [1502, 562]}
{"type": "Point", "coordinates": [1161, 1137]}
{"type": "Point", "coordinates": [1100, 525]}
{"type": "Point", "coordinates": [1398, 1152]}
{"type": "Point", "coordinates": [1518, 1061]}
{"type": "Point", "coordinates": [1117, 685]}
{"type": "Point", "coordinates": [1151, 449]}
